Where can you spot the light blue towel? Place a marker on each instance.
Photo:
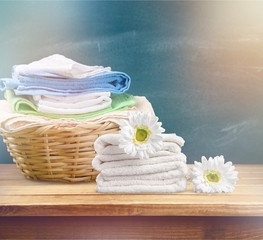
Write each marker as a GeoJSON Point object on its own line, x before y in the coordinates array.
{"type": "Point", "coordinates": [8, 83]}
{"type": "Point", "coordinates": [114, 82]}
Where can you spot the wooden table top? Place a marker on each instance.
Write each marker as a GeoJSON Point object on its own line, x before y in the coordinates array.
{"type": "Point", "coordinates": [22, 197]}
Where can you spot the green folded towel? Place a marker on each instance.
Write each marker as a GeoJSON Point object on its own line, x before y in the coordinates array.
{"type": "Point", "coordinates": [22, 105]}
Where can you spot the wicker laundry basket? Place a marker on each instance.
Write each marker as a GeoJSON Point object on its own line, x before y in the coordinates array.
{"type": "Point", "coordinates": [59, 152]}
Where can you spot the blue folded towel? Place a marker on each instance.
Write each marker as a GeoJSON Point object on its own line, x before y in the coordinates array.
{"type": "Point", "coordinates": [114, 82]}
{"type": "Point", "coordinates": [8, 83]}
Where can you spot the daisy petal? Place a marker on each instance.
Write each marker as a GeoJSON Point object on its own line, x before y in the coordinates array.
{"type": "Point", "coordinates": [213, 175]}
{"type": "Point", "coordinates": [141, 135]}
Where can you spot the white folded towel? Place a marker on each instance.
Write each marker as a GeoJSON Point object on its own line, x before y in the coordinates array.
{"type": "Point", "coordinates": [49, 109]}
{"type": "Point", "coordinates": [86, 99]}
{"type": "Point", "coordinates": [165, 151]}
{"type": "Point", "coordinates": [129, 182]}
{"type": "Point", "coordinates": [178, 186]}
{"type": "Point", "coordinates": [164, 172]}
{"type": "Point", "coordinates": [103, 162]}
{"type": "Point", "coordinates": [83, 103]}
{"type": "Point", "coordinates": [113, 152]}
{"type": "Point", "coordinates": [145, 169]}
{"type": "Point", "coordinates": [108, 143]}
{"type": "Point", "coordinates": [163, 177]}
{"type": "Point", "coordinates": [175, 173]}
{"type": "Point", "coordinates": [58, 65]}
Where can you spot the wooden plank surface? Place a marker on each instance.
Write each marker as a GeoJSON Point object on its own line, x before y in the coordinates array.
{"type": "Point", "coordinates": [23, 197]}
{"type": "Point", "coordinates": [131, 228]}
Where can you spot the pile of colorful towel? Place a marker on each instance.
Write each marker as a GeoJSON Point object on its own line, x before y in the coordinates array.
{"type": "Point", "coordinates": [164, 172]}
{"type": "Point", "coordinates": [58, 87]}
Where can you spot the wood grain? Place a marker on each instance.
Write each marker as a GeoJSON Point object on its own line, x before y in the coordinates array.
{"type": "Point", "coordinates": [131, 228]}
{"type": "Point", "coordinates": [47, 210]}
{"type": "Point", "coordinates": [22, 197]}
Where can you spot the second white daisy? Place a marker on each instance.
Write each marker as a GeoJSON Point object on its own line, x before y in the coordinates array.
{"type": "Point", "coordinates": [141, 135]}
{"type": "Point", "coordinates": [214, 175]}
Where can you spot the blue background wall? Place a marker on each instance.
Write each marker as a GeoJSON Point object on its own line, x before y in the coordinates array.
{"type": "Point", "coordinates": [199, 63]}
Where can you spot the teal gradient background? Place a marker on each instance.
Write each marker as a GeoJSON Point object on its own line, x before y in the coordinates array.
{"type": "Point", "coordinates": [199, 63]}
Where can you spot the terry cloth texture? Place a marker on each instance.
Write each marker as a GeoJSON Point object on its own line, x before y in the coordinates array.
{"type": "Point", "coordinates": [164, 172]}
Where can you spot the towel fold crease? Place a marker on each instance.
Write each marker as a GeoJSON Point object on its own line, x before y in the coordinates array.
{"type": "Point", "coordinates": [128, 162]}
{"type": "Point", "coordinates": [178, 186]}
{"type": "Point", "coordinates": [84, 103]}
{"type": "Point", "coordinates": [144, 169]}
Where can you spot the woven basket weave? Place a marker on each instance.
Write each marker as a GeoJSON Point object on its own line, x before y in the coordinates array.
{"type": "Point", "coordinates": [57, 152]}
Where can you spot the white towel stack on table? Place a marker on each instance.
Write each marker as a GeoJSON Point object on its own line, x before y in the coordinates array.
{"type": "Point", "coordinates": [164, 172]}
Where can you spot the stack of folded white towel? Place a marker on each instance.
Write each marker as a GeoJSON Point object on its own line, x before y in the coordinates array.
{"type": "Point", "coordinates": [164, 172]}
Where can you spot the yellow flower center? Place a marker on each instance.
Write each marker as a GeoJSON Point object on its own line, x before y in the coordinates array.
{"type": "Point", "coordinates": [212, 176]}
{"type": "Point", "coordinates": [142, 134]}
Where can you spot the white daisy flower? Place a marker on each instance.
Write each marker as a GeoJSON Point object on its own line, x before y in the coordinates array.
{"type": "Point", "coordinates": [213, 175]}
{"type": "Point", "coordinates": [141, 135]}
